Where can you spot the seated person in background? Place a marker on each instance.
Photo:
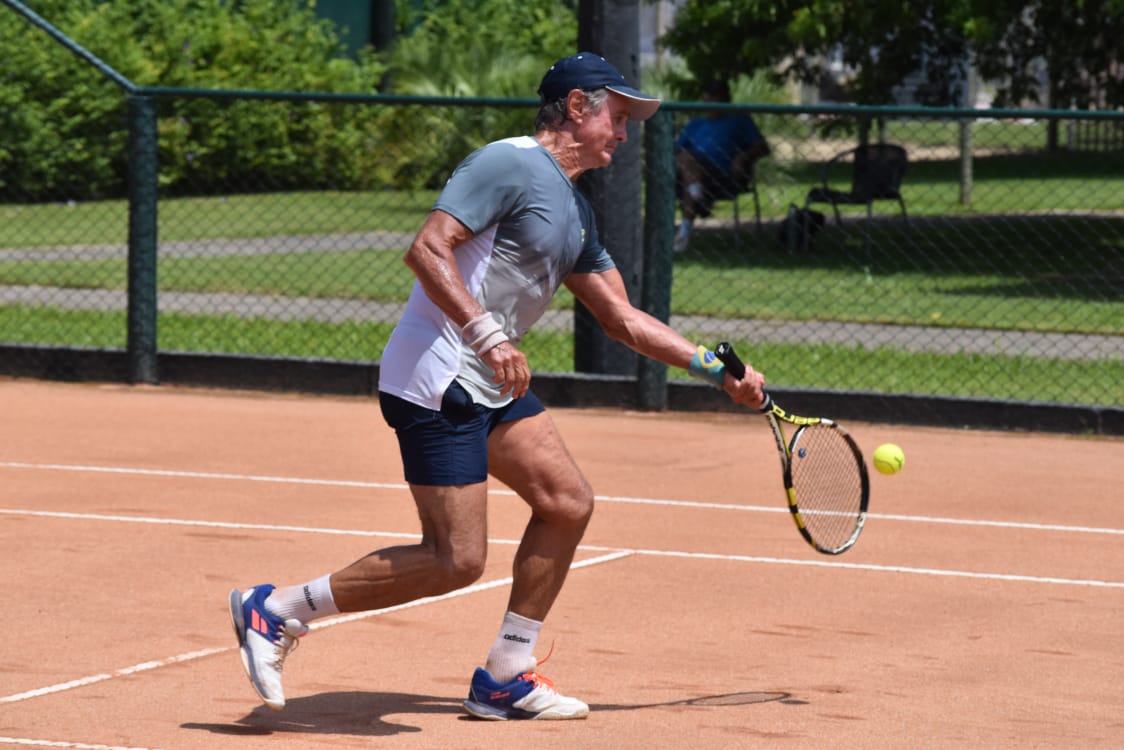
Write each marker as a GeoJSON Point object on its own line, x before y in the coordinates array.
{"type": "Point", "coordinates": [714, 156]}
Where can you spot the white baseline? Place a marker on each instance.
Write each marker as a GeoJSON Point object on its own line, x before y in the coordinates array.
{"type": "Point", "coordinates": [175, 474]}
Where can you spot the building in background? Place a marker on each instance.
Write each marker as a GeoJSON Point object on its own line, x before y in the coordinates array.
{"type": "Point", "coordinates": [655, 18]}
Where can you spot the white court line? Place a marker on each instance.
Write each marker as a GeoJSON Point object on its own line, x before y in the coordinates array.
{"type": "Point", "coordinates": [872, 567]}
{"type": "Point", "coordinates": [600, 498]}
{"type": "Point", "coordinates": [27, 742]}
{"type": "Point", "coordinates": [211, 524]}
{"type": "Point", "coordinates": [93, 679]}
{"type": "Point", "coordinates": [588, 548]}
{"type": "Point", "coordinates": [326, 623]}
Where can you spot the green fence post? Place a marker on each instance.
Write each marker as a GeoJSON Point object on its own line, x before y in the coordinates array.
{"type": "Point", "coordinates": [141, 343]}
{"type": "Point", "coordinates": [659, 231]}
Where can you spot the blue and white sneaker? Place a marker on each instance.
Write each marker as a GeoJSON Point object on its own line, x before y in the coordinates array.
{"type": "Point", "coordinates": [528, 696]}
{"type": "Point", "coordinates": [264, 640]}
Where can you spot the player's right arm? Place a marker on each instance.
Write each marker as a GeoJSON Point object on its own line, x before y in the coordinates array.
{"type": "Point", "coordinates": [431, 258]}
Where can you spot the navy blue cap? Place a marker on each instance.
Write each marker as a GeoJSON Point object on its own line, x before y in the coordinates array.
{"type": "Point", "coordinates": [588, 71]}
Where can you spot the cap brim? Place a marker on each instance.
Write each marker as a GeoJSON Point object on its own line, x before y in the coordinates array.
{"type": "Point", "coordinates": [641, 106]}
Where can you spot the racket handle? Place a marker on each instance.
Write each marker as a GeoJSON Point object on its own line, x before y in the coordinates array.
{"type": "Point", "coordinates": [725, 353]}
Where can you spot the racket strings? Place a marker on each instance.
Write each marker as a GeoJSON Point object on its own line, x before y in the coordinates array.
{"type": "Point", "coordinates": [827, 484]}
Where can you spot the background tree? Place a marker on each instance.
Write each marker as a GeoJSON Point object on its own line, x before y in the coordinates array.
{"type": "Point", "coordinates": [491, 48]}
{"type": "Point", "coordinates": [1069, 51]}
{"type": "Point", "coordinates": [1074, 46]}
{"type": "Point", "coordinates": [878, 41]}
{"type": "Point", "coordinates": [469, 48]}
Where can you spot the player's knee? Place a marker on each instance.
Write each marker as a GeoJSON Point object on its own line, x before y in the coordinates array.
{"type": "Point", "coordinates": [462, 569]}
{"type": "Point", "coordinates": [585, 507]}
{"type": "Point", "coordinates": [451, 565]}
{"type": "Point", "coordinates": [573, 509]}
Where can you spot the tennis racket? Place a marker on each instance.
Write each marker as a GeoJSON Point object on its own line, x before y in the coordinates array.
{"type": "Point", "coordinates": [824, 472]}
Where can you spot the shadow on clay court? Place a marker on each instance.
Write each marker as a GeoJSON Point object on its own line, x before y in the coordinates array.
{"type": "Point", "coordinates": [360, 713]}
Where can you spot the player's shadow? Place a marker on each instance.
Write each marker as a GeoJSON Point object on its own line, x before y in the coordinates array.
{"type": "Point", "coordinates": [351, 712]}
{"type": "Point", "coordinates": [360, 713]}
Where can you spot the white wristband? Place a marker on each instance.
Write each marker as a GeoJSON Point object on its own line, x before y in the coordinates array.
{"type": "Point", "coordinates": [482, 333]}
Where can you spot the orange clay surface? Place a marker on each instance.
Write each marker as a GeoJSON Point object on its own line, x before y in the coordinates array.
{"type": "Point", "coordinates": [983, 606]}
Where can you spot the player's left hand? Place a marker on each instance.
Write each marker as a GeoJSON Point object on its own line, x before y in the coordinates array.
{"type": "Point", "coordinates": [749, 391]}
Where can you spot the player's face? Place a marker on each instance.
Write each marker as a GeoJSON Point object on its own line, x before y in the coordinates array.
{"type": "Point", "coordinates": [603, 129]}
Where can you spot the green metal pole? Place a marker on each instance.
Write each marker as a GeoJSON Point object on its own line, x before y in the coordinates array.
{"type": "Point", "coordinates": [141, 343]}
{"type": "Point", "coordinates": [659, 231]}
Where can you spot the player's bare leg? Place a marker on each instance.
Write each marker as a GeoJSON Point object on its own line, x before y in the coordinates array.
{"type": "Point", "coordinates": [451, 553]}
{"type": "Point", "coordinates": [529, 456]}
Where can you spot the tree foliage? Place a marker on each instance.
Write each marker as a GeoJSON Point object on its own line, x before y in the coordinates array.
{"type": "Point", "coordinates": [54, 115]}
{"type": "Point", "coordinates": [1075, 45]}
{"type": "Point", "coordinates": [473, 48]}
{"type": "Point", "coordinates": [445, 50]}
{"type": "Point", "coordinates": [64, 124]}
{"type": "Point", "coordinates": [490, 48]}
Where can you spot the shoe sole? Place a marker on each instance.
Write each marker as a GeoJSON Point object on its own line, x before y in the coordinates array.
{"type": "Point", "coordinates": [238, 620]}
{"type": "Point", "coordinates": [490, 713]}
{"type": "Point", "coordinates": [481, 711]}
{"type": "Point", "coordinates": [236, 617]}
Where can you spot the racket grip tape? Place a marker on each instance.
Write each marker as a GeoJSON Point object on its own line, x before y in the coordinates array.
{"type": "Point", "coordinates": [725, 353]}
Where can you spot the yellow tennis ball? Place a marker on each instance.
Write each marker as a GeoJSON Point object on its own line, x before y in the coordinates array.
{"type": "Point", "coordinates": [888, 458]}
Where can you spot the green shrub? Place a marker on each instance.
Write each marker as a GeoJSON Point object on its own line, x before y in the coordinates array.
{"type": "Point", "coordinates": [446, 50]}
{"type": "Point", "coordinates": [61, 124]}
{"type": "Point", "coordinates": [64, 124]}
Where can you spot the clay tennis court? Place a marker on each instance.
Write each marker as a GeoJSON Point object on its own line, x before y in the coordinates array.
{"type": "Point", "coordinates": [982, 607]}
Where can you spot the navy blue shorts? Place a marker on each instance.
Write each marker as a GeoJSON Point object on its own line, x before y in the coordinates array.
{"type": "Point", "coordinates": [449, 447]}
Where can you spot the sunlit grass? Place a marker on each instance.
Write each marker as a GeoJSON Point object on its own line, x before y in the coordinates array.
{"type": "Point", "coordinates": [836, 367]}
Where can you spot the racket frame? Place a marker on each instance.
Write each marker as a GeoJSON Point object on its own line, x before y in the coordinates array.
{"type": "Point", "coordinates": [775, 415]}
{"type": "Point", "coordinates": [786, 447]}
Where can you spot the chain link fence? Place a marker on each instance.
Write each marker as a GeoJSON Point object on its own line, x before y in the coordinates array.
{"type": "Point", "coordinates": [999, 273]}
{"type": "Point", "coordinates": [281, 224]}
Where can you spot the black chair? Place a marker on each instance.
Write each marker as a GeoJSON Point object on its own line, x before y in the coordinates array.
{"type": "Point", "coordinates": [731, 190]}
{"type": "Point", "coordinates": [747, 185]}
{"type": "Point", "coordinates": [877, 170]}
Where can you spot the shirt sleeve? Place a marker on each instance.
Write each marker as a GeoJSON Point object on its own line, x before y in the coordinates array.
{"type": "Point", "coordinates": [594, 257]}
{"type": "Point", "coordinates": [486, 186]}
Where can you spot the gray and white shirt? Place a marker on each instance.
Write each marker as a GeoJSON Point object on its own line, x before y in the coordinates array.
{"type": "Point", "coordinates": [531, 229]}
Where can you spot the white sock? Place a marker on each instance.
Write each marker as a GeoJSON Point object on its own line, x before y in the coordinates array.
{"type": "Point", "coordinates": [685, 228]}
{"type": "Point", "coordinates": [306, 602]}
{"type": "Point", "coordinates": [514, 649]}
